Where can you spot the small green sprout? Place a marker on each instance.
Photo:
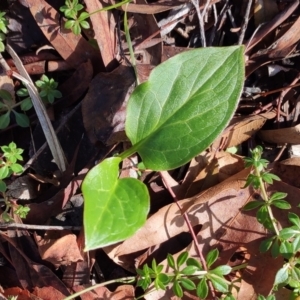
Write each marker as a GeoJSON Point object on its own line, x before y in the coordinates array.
{"type": "Point", "coordinates": [8, 163]}
{"type": "Point", "coordinates": [47, 89]}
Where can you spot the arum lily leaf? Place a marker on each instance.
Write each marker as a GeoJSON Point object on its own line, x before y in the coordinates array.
{"type": "Point", "coordinates": [114, 209]}
{"type": "Point", "coordinates": [186, 103]}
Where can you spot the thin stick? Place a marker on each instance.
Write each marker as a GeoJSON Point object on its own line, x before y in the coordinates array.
{"type": "Point", "coordinates": [245, 23]}
{"type": "Point", "coordinates": [37, 227]}
{"type": "Point", "coordinates": [186, 218]}
{"type": "Point", "coordinates": [201, 23]}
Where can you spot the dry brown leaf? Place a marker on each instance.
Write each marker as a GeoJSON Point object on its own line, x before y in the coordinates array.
{"type": "Point", "coordinates": [104, 28]}
{"type": "Point", "coordinates": [60, 251]}
{"type": "Point", "coordinates": [16, 291]}
{"type": "Point", "coordinates": [48, 292]}
{"type": "Point", "coordinates": [281, 136]}
{"type": "Point", "coordinates": [241, 129]}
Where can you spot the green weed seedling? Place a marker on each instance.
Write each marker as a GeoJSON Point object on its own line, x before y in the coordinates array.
{"type": "Point", "coordinates": [185, 272]}
{"type": "Point", "coordinates": [186, 103]}
{"type": "Point", "coordinates": [9, 165]}
{"type": "Point", "coordinates": [76, 19]}
{"type": "Point", "coordinates": [284, 242]}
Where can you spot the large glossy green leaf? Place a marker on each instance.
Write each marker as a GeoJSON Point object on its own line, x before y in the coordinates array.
{"type": "Point", "coordinates": [114, 208]}
{"type": "Point", "coordinates": [184, 106]}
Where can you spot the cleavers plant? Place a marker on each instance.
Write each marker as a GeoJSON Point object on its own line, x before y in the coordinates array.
{"type": "Point", "coordinates": [9, 165]}
{"type": "Point", "coordinates": [284, 242]}
{"type": "Point", "coordinates": [185, 271]}
{"type": "Point", "coordinates": [47, 90]}
{"type": "Point", "coordinates": [76, 18]}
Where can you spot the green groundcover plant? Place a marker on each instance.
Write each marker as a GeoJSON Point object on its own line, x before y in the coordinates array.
{"type": "Point", "coordinates": [8, 166]}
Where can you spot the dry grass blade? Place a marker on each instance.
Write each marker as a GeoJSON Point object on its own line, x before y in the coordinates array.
{"type": "Point", "coordinates": [39, 107]}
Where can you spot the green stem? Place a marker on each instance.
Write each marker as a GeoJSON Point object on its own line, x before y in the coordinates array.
{"type": "Point", "coordinates": [107, 8]}
{"type": "Point", "coordinates": [125, 280]}
{"type": "Point", "coordinates": [130, 48]}
{"type": "Point", "coordinates": [266, 199]}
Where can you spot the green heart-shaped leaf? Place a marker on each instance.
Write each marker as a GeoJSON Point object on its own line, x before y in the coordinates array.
{"type": "Point", "coordinates": [114, 209]}
{"type": "Point", "coordinates": [186, 103]}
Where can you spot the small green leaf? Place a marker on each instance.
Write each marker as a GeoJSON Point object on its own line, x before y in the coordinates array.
{"type": "Point", "coordinates": [187, 284]}
{"type": "Point", "coordinates": [6, 95]}
{"type": "Point", "coordinates": [85, 24]}
{"type": "Point", "coordinates": [252, 205]}
{"type": "Point", "coordinates": [2, 186]}
{"type": "Point", "coordinates": [84, 15]}
{"type": "Point", "coordinates": [4, 120]}
{"type": "Point", "coordinates": [294, 219]}
{"type": "Point", "coordinates": [212, 257]}
{"type": "Point", "coordinates": [26, 104]}
{"type": "Point", "coordinates": [287, 233]}
{"type": "Point", "coordinates": [16, 168]}
{"type": "Point", "coordinates": [275, 250]}
{"type": "Point", "coordinates": [189, 270]}
{"type": "Point", "coordinates": [269, 177]}
{"type": "Point", "coordinates": [21, 119]}
{"type": "Point", "coordinates": [69, 24]}
{"type": "Point", "coordinates": [221, 270]}
{"type": "Point", "coordinates": [219, 283]}
{"type": "Point", "coordinates": [202, 289]}
{"type": "Point", "coordinates": [23, 92]}
{"type": "Point", "coordinates": [282, 275]}
{"type": "Point", "coordinates": [171, 261]}
{"type": "Point", "coordinates": [181, 259]}
{"type": "Point", "coordinates": [262, 214]}
{"type": "Point", "coordinates": [278, 196]}
{"type": "Point", "coordinates": [286, 249]}
{"type": "Point", "coordinates": [296, 244]}
{"type": "Point", "coordinates": [265, 245]}
{"type": "Point", "coordinates": [4, 172]}
{"type": "Point", "coordinates": [114, 209]}
{"type": "Point", "coordinates": [282, 204]}
{"type": "Point", "coordinates": [186, 103]}
{"type": "Point", "coordinates": [177, 289]}
{"type": "Point", "coordinates": [194, 262]}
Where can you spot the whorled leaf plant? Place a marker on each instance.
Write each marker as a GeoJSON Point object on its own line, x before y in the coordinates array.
{"type": "Point", "coordinates": [186, 103]}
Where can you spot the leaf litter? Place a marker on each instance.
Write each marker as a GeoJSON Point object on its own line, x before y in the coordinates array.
{"type": "Point", "coordinates": [95, 89]}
